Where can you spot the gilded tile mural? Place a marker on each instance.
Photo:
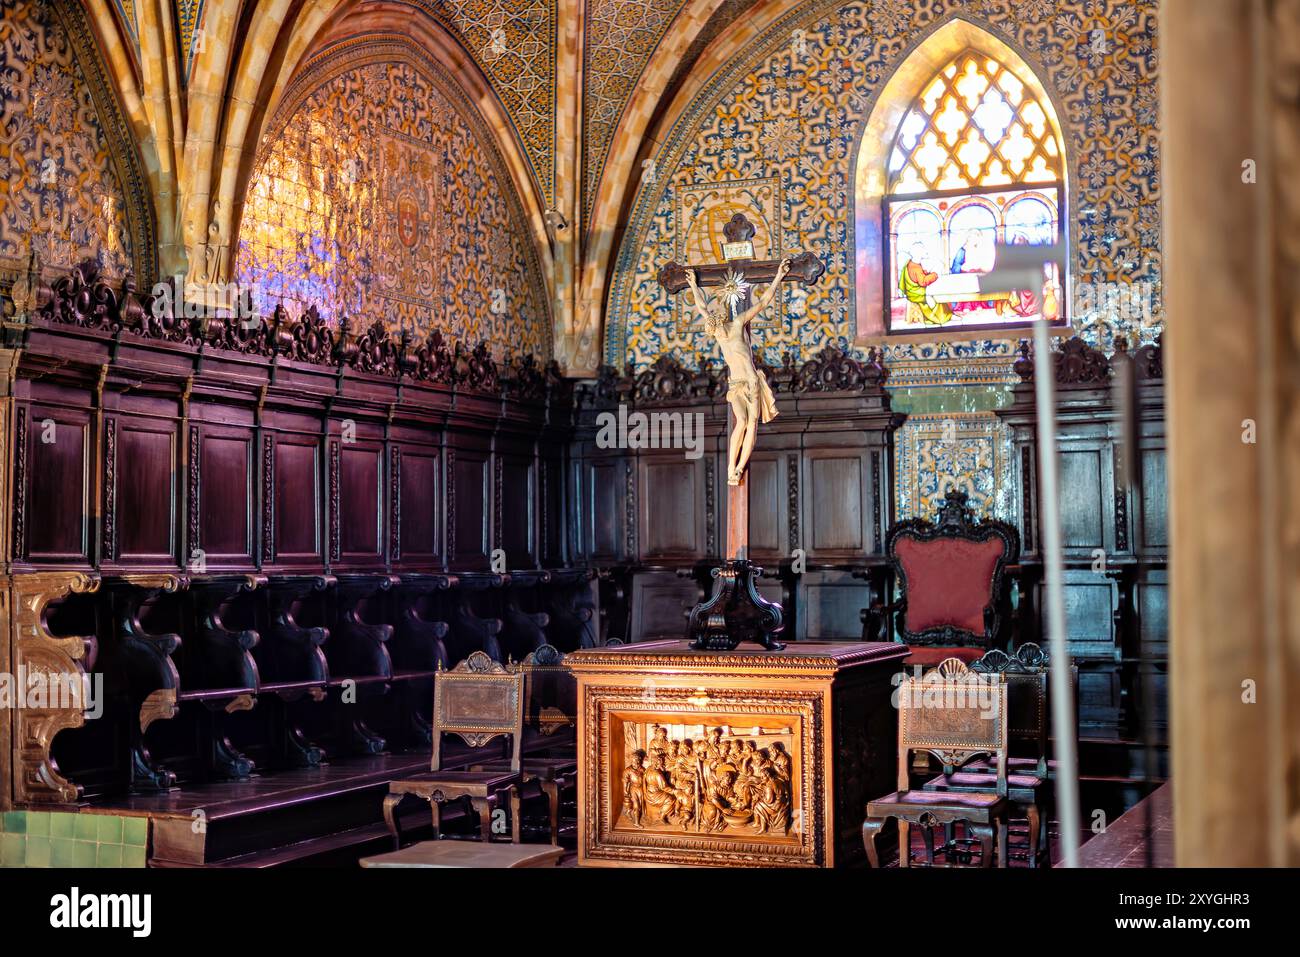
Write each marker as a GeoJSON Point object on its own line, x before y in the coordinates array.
{"type": "Point", "coordinates": [59, 167]}
{"type": "Point", "coordinates": [514, 42]}
{"type": "Point", "coordinates": [790, 110]}
{"type": "Point", "coordinates": [382, 195]}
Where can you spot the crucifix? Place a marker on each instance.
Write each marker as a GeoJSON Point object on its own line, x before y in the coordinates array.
{"type": "Point", "coordinates": [736, 612]}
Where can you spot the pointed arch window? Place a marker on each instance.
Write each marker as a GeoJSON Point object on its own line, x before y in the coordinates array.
{"type": "Point", "coordinates": [976, 161]}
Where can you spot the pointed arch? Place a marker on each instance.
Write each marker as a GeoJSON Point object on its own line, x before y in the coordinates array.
{"type": "Point", "coordinates": [96, 156]}
{"type": "Point", "coordinates": [887, 159]}
{"type": "Point", "coordinates": [264, 52]}
{"type": "Point", "coordinates": [639, 134]}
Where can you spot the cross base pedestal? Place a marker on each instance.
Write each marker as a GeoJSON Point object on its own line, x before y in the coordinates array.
{"type": "Point", "coordinates": [735, 612]}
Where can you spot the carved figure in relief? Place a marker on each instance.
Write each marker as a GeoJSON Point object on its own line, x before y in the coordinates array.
{"type": "Point", "coordinates": [748, 392]}
{"type": "Point", "coordinates": [781, 761]}
{"type": "Point", "coordinates": [658, 740]}
{"type": "Point", "coordinates": [772, 807]}
{"type": "Point", "coordinates": [714, 747]}
{"type": "Point", "coordinates": [659, 798]}
{"type": "Point", "coordinates": [735, 755]}
{"type": "Point", "coordinates": [708, 784]}
{"type": "Point", "coordinates": [634, 787]}
{"type": "Point", "coordinates": [717, 793]}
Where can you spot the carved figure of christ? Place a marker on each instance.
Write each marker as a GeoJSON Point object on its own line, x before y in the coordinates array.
{"type": "Point", "coordinates": [748, 394]}
{"type": "Point", "coordinates": [727, 318]}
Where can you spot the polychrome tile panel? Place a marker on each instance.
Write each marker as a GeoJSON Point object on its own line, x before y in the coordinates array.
{"type": "Point", "coordinates": [514, 42]}
{"type": "Point", "coordinates": [970, 452]}
{"type": "Point", "coordinates": [792, 108]}
{"type": "Point", "coordinates": [620, 37]}
{"type": "Point", "coordinates": [382, 195]}
{"type": "Point", "coordinates": [56, 162]}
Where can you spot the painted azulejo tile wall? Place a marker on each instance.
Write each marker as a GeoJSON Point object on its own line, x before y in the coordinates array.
{"type": "Point", "coordinates": [72, 180]}
{"type": "Point", "coordinates": [775, 134]}
{"type": "Point", "coordinates": [382, 194]}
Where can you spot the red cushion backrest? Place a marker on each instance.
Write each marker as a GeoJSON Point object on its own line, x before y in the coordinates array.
{"type": "Point", "coordinates": [949, 581]}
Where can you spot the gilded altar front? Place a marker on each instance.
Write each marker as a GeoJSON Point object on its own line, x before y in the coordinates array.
{"type": "Point", "coordinates": [742, 758]}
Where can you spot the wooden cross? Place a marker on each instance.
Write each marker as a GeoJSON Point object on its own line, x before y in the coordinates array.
{"type": "Point", "coordinates": [738, 253]}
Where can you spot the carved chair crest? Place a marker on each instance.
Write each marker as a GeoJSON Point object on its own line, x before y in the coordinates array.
{"type": "Point", "coordinates": [550, 691]}
{"type": "Point", "coordinates": [479, 700]}
{"type": "Point", "coordinates": [950, 574]}
{"type": "Point", "coordinates": [544, 656]}
{"type": "Point", "coordinates": [952, 668]}
{"type": "Point", "coordinates": [954, 717]}
{"type": "Point", "coordinates": [1027, 659]}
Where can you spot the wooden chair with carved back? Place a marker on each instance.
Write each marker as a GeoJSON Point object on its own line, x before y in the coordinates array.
{"type": "Point", "coordinates": [1027, 784]}
{"type": "Point", "coordinates": [479, 700]}
{"type": "Point", "coordinates": [1029, 750]}
{"type": "Point", "coordinates": [550, 717]}
{"type": "Point", "coordinates": [957, 716]}
{"type": "Point", "coordinates": [951, 577]}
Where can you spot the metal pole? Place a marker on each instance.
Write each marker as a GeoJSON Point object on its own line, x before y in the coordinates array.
{"type": "Point", "coordinates": [1067, 767]}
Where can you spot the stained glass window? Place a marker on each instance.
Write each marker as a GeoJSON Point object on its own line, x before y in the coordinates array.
{"type": "Point", "coordinates": [976, 162]}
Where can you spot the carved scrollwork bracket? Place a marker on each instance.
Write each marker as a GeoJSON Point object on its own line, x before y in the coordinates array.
{"type": "Point", "coordinates": [59, 662]}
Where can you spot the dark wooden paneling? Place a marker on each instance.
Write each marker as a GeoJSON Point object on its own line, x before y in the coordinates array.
{"type": "Point", "coordinates": [361, 503]}
{"type": "Point", "coordinates": [1082, 503]}
{"type": "Point", "coordinates": [517, 513]}
{"type": "Point", "coordinates": [550, 498]}
{"type": "Point", "coordinates": [421, 500]}
{"type": "Point", "coordinates": [660, 602]}
{"type": "Point", "coordinates": [1098, 512]}
{"type": "Point", "coordinates": [226, 497]}
{"type": "Point", "coordinates": [670, 524]}
{"type": "Point", "coordinates": [604, 508]}
{"type": "Point", "coordinates": [1152, 598]}
{"type": "Point", "coordinates": [471, 486]}
{"type": "Point", "coordinates": [1155, 500]}
{"type": "Point", "coordinates": [836, 505]}
{"type": "Point", "coordinates": [1089, 601]}
{"type": "Point", "coordinates": [58, 477]}
{"type": "Point", "coordinates": [297, 501]}
{"type": "Point", "coordinates": [145, 513]}
{"type": "Point", "coordinates": [768, 535]}
{"type": "Point", "coordinates": [830, 605]}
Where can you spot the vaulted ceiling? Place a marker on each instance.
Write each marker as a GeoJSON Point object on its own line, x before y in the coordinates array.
{"type": "Point", "coordinates": [572, 89]}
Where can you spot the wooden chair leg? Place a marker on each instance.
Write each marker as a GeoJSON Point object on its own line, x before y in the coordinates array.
{"type": "Point", "coordinates": [484, 808]}
{"type": "Point", "coordinates": [552, 790]}
{"type": "Point", "coordinates": [870, 830]}
{"type": "Point", "coordinates": [904, 844]}
{"type": "Point", "coordinates": [390, 818]}
{"type": "Point", "coordinates": [435, 812]}
{"type": "Point", "coordinates": [984, 834]}
{"type": "Point", "coordinates": [927, 837]}
{"type": "Point", "coordinates": [1032, 813]}
{"type": "Point", "coordinates": [516, 815]}
{"type": "Point", "coordinates": [1002, 842]}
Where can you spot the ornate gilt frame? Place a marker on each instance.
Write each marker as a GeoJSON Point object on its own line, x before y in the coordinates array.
{"type": "Point", "coordinates": [605, 708]}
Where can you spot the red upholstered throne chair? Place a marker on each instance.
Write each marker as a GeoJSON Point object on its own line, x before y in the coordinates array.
{"type": "Point", "coordinates": [953, 600]}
